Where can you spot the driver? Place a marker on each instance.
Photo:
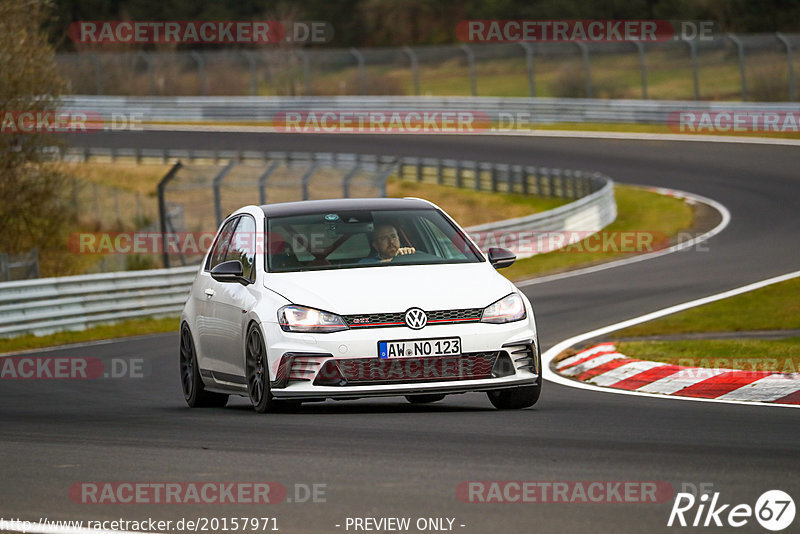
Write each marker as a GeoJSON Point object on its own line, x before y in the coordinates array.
{"type": "Point", "coordinates": [386, 244]}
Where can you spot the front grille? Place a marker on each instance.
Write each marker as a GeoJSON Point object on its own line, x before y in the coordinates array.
{"type": "Point", "coordinates": [376, 371]}
{"type": "Point", "coordinates": [383, 320]}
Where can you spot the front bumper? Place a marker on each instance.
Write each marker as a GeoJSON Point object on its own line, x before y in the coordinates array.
{"type": "Point", "coordinates": [305, 366]}
{"type": "Point", "coordinates": [298, 392]}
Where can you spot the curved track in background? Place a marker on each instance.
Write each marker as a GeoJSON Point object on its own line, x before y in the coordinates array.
{"type": "Point", "coordinates": [388, 458]}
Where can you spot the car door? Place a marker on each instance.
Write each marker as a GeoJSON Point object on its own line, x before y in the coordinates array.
{"type": "Point", "coordinates": [204, 291]}
{"type": "Point", "coordinates": [231, 301]}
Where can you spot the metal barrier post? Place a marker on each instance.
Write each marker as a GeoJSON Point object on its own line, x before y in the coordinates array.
{"type": "Point", "coordinates": [740, 49]}
{"type": "Point", "coordinates": [529, 68]}
{"type": "Point", "coordinates": [262, 182]}
{"type": "Point", "coordinates": [4, 270]}
{"type": "Point", "coordinates": [251, 65]}
{"type": "Point", "coordinates": [789, 65]}
{"type": "Point", "coordinates": [695, 77]}
{"type": "Point", "coordinates": [306, 180]}
{"type": "Point", "coordinates": [349, 176]}
{"type": "Point", "coordinates": [362, 76]}
{"type": "Point", "coordinates": [473, 88]}
{"type": "Point", "coordinates": [306, 71]}
{"type": "Point", "coordinates": [642, 67]}
{"type": "Point", "coordinates": [384, 176]}
{"type": "Point", "coordinates": [162, 207]}
{"type": "Point", "coordinates": [201, 71]}
{"type": "Point", "coordinates": [151, 81]}
{"type": "Point", "coordinates": [587, 68]}
{"type": "Point", "coordinates": [217, 194]}
{"type": "Point", "coordinates": [412, 57]}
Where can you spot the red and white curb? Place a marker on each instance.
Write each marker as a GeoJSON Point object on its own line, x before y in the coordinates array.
{"type": "Point", "coordinates": [603, 366]}
{"type": "Point", "coordinates": [550, 368]}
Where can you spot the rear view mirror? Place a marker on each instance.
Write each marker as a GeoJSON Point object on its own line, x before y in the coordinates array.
{"type": "Point", "coordinates": [229, 271]}
{"type": "Point", "coordinates": [501, 257]}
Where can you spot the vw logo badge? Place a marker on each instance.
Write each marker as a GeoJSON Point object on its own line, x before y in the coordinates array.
{"type": "Point", "coordinates": [416, 319]}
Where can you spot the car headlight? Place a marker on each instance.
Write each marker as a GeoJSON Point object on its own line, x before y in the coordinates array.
{"type": "Point", "coordinates": [508, 309]}
{"type": "Point", "coordinates": [301, 319]}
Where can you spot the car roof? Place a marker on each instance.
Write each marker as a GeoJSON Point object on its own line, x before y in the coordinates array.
{"type": "Point", "coordinates": [343, 204]}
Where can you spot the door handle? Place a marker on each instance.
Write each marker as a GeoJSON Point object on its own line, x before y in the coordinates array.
{"type": "Point", "coordinates": [210, 292]}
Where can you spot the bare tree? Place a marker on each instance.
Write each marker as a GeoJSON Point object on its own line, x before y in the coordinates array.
{"type": "Point", "coordinates": [33, 212]}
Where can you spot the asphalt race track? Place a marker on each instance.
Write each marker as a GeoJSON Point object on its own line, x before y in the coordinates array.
{"type": "Point", "coordinates": [387, 458]}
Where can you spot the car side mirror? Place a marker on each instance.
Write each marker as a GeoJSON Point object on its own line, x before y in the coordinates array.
{"type": "Point", "coordinates": [501, 257]}
{"type": "Point", "coordinates": [229, 271]}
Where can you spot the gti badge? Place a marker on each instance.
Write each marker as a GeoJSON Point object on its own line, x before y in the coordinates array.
{"type": "Point", "coordinates": [416, 319]}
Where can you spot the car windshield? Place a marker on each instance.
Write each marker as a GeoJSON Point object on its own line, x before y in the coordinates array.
{"type": "Point", "coordinates": [364, 238]}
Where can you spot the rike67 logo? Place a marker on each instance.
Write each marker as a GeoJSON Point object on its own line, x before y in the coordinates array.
{"type": "Point", "coordinates": [774, 510]}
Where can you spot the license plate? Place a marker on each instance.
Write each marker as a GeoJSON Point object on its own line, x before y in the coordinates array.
{"type": "Point", "coordinates": [417, 348]}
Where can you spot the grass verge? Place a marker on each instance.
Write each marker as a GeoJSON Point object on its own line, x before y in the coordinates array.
{"type": "Point", "coordinates": [775, 355]}
{"type": "Point", "coordinates": [132, 327]}
{"type": "Point", "coordinates": [774, 307]}
{"type": "Point", "coordinates": [470, 207]}
{"type": "Point", "coordinates": [637, 211]}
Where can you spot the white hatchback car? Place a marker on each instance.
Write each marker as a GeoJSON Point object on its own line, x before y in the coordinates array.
{"type": "Point", "coordinates": [344, 299]}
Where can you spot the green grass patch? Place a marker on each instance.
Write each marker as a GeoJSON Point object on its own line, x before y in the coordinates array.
{"type": "Point", "coordinates": [132, 327]}
{"type": "Point", "coordinates": [775, 307]}
{"type": "Point", "coordinates": [775, 355]}
{"type": "Point", "coordinates": [637, 211]}
{"type": "Point", "coordinates": [470, 207]}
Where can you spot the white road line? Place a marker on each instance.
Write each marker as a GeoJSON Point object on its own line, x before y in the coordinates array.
{"type": "Point", "coordinates": [621, 373]}
{"type": "Point", "coordinates": [765, 389]}
{"type": "Point", "coordinates": [591, 364]}
{"type": "Point", "coordinates": [682, 379]}
{"type": "Point", "coordinates": [605, 347]}
{"type": "Point", "coordinates": [558, 348]}
{"type": "Point", "coordinates": [723, 211]}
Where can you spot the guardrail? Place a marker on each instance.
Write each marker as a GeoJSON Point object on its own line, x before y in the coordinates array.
{"type": "Point", "coordinates": [504, 113]}
{"type": "Point", "coordinates": [77, 302]}
{"type": "Point", "coordinates": [48, 305]}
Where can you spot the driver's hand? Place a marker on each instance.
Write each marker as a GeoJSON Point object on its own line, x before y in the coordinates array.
{"type": "Point", "coordinates": [405, 250]}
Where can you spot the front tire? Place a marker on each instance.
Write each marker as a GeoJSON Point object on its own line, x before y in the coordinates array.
{"type": "Point", "coordinates": [515, 399]}
{"type": "Point", "coordinates": [194, 391]}
{"type": "Point", "coordinates": [257, 368]}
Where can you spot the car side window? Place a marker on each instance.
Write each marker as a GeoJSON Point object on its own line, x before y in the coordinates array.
{"type": "Point", "coordinates": [242, 246]}
{"type": "Point", "coordinates": [220, 249]}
